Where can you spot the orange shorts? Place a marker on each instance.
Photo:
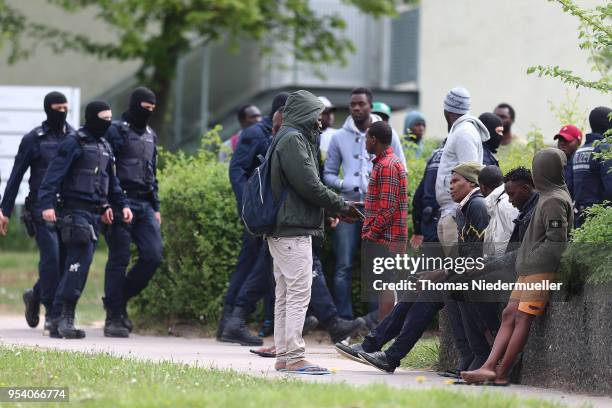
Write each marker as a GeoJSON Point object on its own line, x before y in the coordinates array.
{"type": "Point", "coordinates": [533, 302]}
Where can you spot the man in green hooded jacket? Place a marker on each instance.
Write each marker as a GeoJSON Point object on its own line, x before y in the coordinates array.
{"type": "Point", "coordinates": [537, 262]}
{"type": "Point", "coordinates": [299, 219]}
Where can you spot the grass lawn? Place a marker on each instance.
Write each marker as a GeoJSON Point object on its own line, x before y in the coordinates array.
{"type": "Point", "coordinates": [424, 355]}
{"type": "Point", "coordinates": [104, 381]}
{"type": "Point", "coordinates": [19, 271]}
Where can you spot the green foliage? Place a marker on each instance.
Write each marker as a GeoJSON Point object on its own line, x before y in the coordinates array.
{"type": "Point", "coordinates": [157, 33]}
{"type": "Point", "coordinates": [589, 256]}
{"type": "Point", "coordinates": [595, 37]}
{"type": "Point", "coordinates": [202, 237]}
{"type": "Point", "coordinates": [535, 140]}
{"type": "Point", "coordinates": [570, 111]}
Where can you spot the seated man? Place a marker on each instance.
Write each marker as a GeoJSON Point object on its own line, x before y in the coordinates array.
{"type": "Point", "coordinates": [537, 260]}
{"type": "Point", "coordinates": [502, 213]}
{"type": "Point", "coordinates": [407, 321]}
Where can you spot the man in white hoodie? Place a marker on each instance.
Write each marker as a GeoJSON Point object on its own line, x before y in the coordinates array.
{"type": "Point", "coordinates": [502, 212]}
{"type": "Point", "coordinates": [347, 151]}
{"type": "Point", "coordinates": [464, 143]}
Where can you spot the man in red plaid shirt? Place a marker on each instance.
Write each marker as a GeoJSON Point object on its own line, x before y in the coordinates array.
{"type": "Point", "coordinates": [386, 203]}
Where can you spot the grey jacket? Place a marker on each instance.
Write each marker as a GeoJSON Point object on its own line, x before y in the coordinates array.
{"type": "Point", "coordinates": [347, 150]}
{"type": "Point", "coordinates": [464, 143]}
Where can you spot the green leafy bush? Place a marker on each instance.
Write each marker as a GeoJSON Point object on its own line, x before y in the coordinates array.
{"type": "Point", "coordinates": [202, 237]}
{"type": "Point", "coordinates": [589, 256]}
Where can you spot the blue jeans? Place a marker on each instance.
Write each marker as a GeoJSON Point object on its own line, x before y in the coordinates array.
{"type": "Point", "coordinates": [78, 261]}
{"type": "Point", "coordinates": [347, 238]}
{"type": "Point", "coordinates": [144, 231]}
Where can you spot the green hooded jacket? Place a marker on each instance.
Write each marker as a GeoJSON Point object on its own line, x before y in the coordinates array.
{"type": "Point", "coordinates": [550, 226]}
{"type": "Point", "coordinates": [294, 166]}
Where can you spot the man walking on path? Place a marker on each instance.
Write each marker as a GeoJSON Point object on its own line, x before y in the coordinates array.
{"type": "Point", "coordinates": [299, 219]}
{"type": "Point", "coordinates": [251, 280]}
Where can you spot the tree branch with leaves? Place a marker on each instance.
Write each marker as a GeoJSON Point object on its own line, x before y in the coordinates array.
{"type": "Point", "coordinates": [158, 32]}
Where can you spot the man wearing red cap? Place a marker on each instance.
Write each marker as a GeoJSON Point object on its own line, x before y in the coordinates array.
{"type": "Point", "coordinates": [568, 140]}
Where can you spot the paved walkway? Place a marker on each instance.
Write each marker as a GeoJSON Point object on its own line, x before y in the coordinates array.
{"type": "Point", "coordinates": [209, 353]}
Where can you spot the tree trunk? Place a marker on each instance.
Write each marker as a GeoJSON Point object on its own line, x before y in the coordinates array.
{"type": "Point", "coordinates": [162, 119]}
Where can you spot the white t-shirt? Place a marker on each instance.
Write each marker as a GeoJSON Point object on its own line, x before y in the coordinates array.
{"type": "Point", "coordinates": [326, 137]}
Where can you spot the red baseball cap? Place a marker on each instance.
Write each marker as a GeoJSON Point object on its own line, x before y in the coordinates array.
{"type": "Point", "coordinates": [569, 133]}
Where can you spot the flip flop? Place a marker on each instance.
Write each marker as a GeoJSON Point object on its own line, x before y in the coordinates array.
{"type": "Point", "coordinates": [261, 353]}
{"type": "Point", "coordinates": [309, 370]}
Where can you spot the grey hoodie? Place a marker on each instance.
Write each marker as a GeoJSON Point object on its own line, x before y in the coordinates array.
{"type": "Point", "coordinates": [552, 220]}
{"type": "Point", "coordinates": [464, 143]}
{"type": "Point", "coordinates": [347, 149]}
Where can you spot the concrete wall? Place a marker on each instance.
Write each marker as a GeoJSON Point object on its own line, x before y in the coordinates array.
{"type": "Point", "coordinates": [91, 75]}
{"type": "Point", "coordinates": [487, 46]}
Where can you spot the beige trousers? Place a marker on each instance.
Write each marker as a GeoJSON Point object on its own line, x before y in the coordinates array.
{"type": "Point", "coordinates": [447, 234]}
{"type": "Point", "coordinates": [293, 275]}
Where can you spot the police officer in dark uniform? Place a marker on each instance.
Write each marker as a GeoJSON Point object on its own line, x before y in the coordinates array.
{"type": "Point", "coordinates": [425, 208]}
{"type": "Point", "coordinates": [590, 179]}
{"type": "Point", "coordinates": [36, 150]}
{"type": "Point", "coordinates": [83, 173]}
{"type": "Point", "coordinates": [134, 145]}
{"type": "Point", "coordinates": [495, 126]}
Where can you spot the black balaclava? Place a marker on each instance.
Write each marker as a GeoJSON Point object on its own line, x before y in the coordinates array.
{"type": "Point", "coordinates": [95, 125]}
{"type": "Point", "coordinates": [137, 115]}
{"type": "Point", "coordinates": [491, 122]}
{"type": "Point", "coordinates": [599, 121]}
{"type": "Point", "coordinates": [55, 119]}
{"type": "Point", "coordinates": [278, 102]}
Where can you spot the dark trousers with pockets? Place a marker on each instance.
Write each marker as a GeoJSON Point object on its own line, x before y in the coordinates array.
{"type": "Point", "coordinates": [79, 256]}
{"type": "Point", "coordinates": [144, 232]}
{"type": "Point", "coordinates": [252, 278]}
{"type": "Point", "coordinates": [52, 256]}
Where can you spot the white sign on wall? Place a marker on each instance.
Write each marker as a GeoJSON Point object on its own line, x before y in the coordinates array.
{"type": "Point", "coordinates": [21, 110]}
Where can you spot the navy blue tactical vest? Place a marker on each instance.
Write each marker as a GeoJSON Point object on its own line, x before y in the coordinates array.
{"type": "Point", "coordinates": [135, 160]}
{"type": "Point", "coordinates": [88, 173]}
{"type": "Point", "coordinates": [588, 187]}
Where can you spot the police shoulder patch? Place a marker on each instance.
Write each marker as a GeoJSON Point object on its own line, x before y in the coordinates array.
{"type": "Point", "coordinates": [555, 223]}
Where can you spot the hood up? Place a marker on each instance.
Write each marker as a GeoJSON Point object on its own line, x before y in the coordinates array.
{"type": "Point", "coordinates": [302, 111]}
{"type": "Point", "coordinates": [548, 170]}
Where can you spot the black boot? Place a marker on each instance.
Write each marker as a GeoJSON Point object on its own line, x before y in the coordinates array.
{"type": "Point", "coordinates": [125, 319]}
{"type": "Point", "coordinates": [235, 330]}
{"type": "Point", "coordinates": [339, 329]}
{"type": "Point", "coordinates": [65, 325]}
{"type": "Point", "coordinates": [310, 323]}
{"type": "Point", "coordinates": [32, 308]}
{"type": "Point", "coordinates": [113, 326]}
{"type": "Point", "coordinates": [226, 314]}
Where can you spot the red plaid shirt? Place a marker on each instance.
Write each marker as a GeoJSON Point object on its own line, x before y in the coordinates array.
{"type": "Point", "coordinates": [386, 203]}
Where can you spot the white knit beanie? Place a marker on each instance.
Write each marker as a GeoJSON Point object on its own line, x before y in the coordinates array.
{"type": "Point", "coordinates": [457, 101]}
